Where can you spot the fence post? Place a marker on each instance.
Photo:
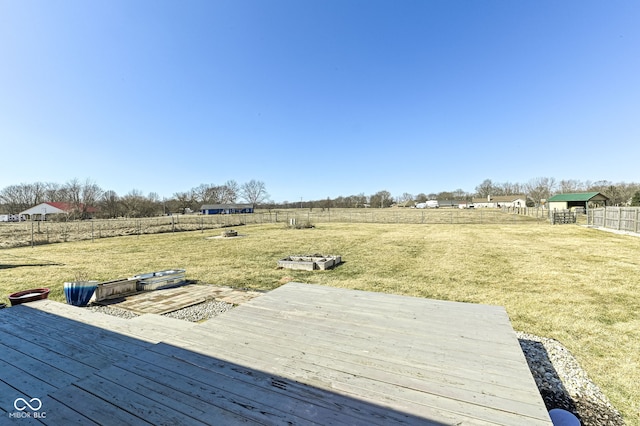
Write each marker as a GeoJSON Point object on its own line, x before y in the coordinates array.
{"type": "Point", "coordinates": [619, 218]}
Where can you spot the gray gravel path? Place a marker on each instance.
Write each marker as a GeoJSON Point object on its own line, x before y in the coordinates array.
{"type": "Point", "coordinates": [564, 384]}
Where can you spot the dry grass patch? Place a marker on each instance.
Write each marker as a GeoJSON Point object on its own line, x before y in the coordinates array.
{"type": "Point", "coordinates": [577, 285]}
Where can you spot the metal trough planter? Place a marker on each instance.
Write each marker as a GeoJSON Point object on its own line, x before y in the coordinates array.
{"type": "Point", "coordinates": [159, 280]}
{"type": "Point", "coordinates": [309, 262]}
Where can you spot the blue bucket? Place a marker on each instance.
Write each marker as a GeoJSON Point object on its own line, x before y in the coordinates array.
{"type": "Point", "coordinates": [79, 293]}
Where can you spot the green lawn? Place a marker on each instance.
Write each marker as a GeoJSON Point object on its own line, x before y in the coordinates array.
{"type": "Point", "coordinates": [577, 285]}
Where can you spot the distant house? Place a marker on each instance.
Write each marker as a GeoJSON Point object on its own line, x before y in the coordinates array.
{"type": "Point", "coordinates": [576, 200]}
{"type": "Point", "coordinates": [452, 203]}
{"type": "Point", "coordinates": [41, 211]}
{"type": "Point", "coordinates": [226, 208]}
{"type": "Point", "coordinates": [497, 201]}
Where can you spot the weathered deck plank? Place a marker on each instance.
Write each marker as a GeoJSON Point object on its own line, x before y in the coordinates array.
{"type": "Point", "coordinates": [161, 385]}
{"type": "Point", "coordinates": [303, 354]}
{"type": "Point", "coordinates": [60, 414]}
{"type": "Point", "coordinates": [346, 355]}
{"type": "Point", "coordinates": [374, 339]}
{"type": "Point", "coordinates": [295, 393]}
{"type": "Point", "coordinates": [416, 396]}
{"type": "Point", "coordinates": [215, 391]}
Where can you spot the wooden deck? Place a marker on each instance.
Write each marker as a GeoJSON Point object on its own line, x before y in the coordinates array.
{"type": "Point", "coordinates": [301, 354]}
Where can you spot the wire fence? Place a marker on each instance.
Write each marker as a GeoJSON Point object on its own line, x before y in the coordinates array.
{"type": "Point", "coordinates": [32, 233]}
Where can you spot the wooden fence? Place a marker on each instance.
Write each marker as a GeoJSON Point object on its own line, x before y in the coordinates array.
{"type": "Point", "coordinates": [618, 218]}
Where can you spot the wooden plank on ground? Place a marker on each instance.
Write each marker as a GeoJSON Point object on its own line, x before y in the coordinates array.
{"type": "Point", "coordinates": [168, 300]}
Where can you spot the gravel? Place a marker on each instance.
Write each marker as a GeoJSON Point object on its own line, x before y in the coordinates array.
{"type": "Point", "coordinates": [195, 313]}
{"type": "Point", "coordinates": [201, 312]}
{"type": "Point", "coordinates": [564, 384]}
{"type": "Point", "coordinates": [560, 379]}
{"type": "Point", "coordinates": [112, 310]}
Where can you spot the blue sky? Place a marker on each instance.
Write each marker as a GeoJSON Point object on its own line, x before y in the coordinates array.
{"type": "Point", "coordinates": [318, 99]}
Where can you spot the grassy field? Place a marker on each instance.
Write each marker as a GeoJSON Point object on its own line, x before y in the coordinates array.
{"type": "Point", "coordinates": [577, 285]}
{"type": "Point", "coordinates": [30, 233]}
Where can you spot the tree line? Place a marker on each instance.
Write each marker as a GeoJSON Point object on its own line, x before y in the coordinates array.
{"type": "Point", "coordinates": [83, 195]}
{"type": "Point", "coordinates": [536, 190]}
{"type": "Point", "coordinates": [86, 198]}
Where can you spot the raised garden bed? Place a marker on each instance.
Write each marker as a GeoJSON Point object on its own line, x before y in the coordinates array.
{"type": "Point", "coordinates": [309, 262]}
{"type": "Point", "coordinates": [115, 289]}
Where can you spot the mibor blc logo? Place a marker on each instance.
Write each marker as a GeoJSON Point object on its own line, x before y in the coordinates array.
{"type": "Point", "coordinates": [28, 409]}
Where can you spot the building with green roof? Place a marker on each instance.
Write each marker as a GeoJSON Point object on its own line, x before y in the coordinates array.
{"type": "Point", "coordinates": [580, 199]}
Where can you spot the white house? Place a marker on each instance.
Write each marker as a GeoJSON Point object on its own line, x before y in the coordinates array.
{"type": "Point", "coordinates": [498, 201]}
{"type": "Point", "coordinates": [41, 211]}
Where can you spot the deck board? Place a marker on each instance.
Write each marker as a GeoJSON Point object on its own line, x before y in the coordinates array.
{"type": "Point", "coordinates": [304, 354]}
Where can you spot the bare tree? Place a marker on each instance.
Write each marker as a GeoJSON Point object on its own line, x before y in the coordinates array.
{"type": "Point", "coordinates": [230, 191]}
{"type": "Point", "coordinates": [17, 198]}
{"type": "Point", "coordinates": [110, 204]}
{"type": "Point", "coordinates": [421, 197]}
{"type": "Point", "coordinates": [54, 192]}
{"type": "Point", "coordinates": [381, 199]}
{"type": "Point", "coordinates": [137, 205]}
{"type": "Point", "coordinates": [73, 190]}
{"type": "Point", "coordinates": [460, 194]}
{"type": "Point", "coordinates": [90, 195]}
{"type": "Point", "coordinates": [508, 188]}
{"type": "Point", "coordinates": [186, 200]}
{"type": "Point", "coordinates": [541, 188]}
{"type": "Point", "coordinates": [207, 193]}
{"type": "Point", "coordinates": [254, 192]}
{"type": "Point", "coordinates": [485, 189]}
{"type": "Point", "coordinates": [405, 199]}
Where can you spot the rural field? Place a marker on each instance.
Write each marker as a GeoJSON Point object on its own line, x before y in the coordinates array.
{"type": "Point", "coordinates": [567, 282]}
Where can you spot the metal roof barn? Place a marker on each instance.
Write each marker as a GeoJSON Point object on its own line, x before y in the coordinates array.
{"type": "Point", "coordinates": [581, 199]}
